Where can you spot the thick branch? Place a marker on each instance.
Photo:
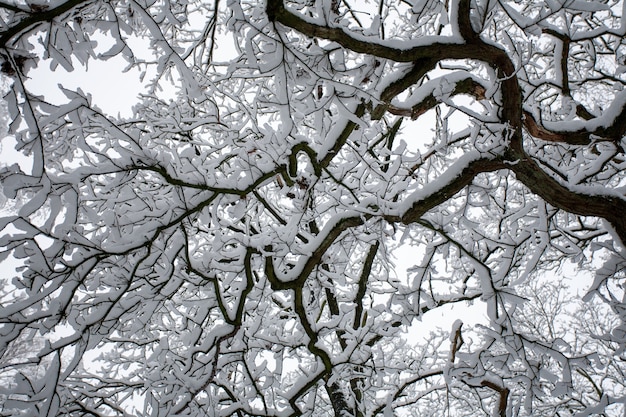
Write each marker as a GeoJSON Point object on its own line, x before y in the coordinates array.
{"type": "Point", "coordinates": [540, 132]}
{"type": "Point", "coordinates": [413, 214]}
{"type": "Point", "coordinates": [365, 273]}
{"type": "Point", "coordinates": [465, 24]}
{"type": "Point", "coordinates": [445, 48]}
{"type": "Point", "coordinates": [611, 208]}
{"type": "Point", "coordinates": [37, 17]}
{"type": "Point", "coordinates": [338, 400]}
{"type": "Point", "coordinates": [12, 7]}
{"type": "Point", "coordinates": [445, 192]}
{"type": "Point", "coordinates": [504, 396]}
{"type": "Point", "coordinates": [465, 86]}
{"type": "Point", "coordinates": [584, 136]}
{"type": "Point", "coordinates": [425, 55]}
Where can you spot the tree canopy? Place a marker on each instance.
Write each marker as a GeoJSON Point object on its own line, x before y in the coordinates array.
{"type": "Point", "coordinates": [301, 187]}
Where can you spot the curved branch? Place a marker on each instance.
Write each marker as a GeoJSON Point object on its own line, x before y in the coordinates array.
{"type": "Point", "coordinates": [425, 56]}
{"type": "Point", "coordinates": [609, 207]}
{"type": "Point", "coordinates": [466, 172]}
{"type": "Point", "coordinates": [540, 132]}
{"type": "Point", "coordinates": [465, 86]}
{"type": "Point", "coordinates": [38, 17]}
{"type": "Point", "coordinates": [504, 395]}
{"type": "Point", "coordinates": [445, 48]}
{"type": "Point", "coordinates": [590, 130]}
{"type": "Point", "coordinates": [421, 202]}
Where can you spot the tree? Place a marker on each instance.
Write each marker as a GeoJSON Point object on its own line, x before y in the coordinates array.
{"type": "Point", "coordinates": [229, 248]}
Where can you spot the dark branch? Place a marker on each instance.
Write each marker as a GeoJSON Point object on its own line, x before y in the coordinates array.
{"type": "Point", "coordinates": [35, 18]}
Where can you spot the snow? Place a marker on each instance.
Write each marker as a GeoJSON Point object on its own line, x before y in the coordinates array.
{"type": "Point", "coordinates": [148, 269]}
{"type": "Point", "coordinates": [432, 187]}
{"type": "Point", "coordinates": [606, 120]}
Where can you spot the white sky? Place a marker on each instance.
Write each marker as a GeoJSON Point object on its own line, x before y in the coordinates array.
{"type": "Point", "coordinates": [113, 90]}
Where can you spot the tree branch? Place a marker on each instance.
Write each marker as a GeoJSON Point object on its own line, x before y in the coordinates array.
{"type": "Point", "coordinates": [38, 17]}
{"type": "Point", "coordinates": [606, 206]}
